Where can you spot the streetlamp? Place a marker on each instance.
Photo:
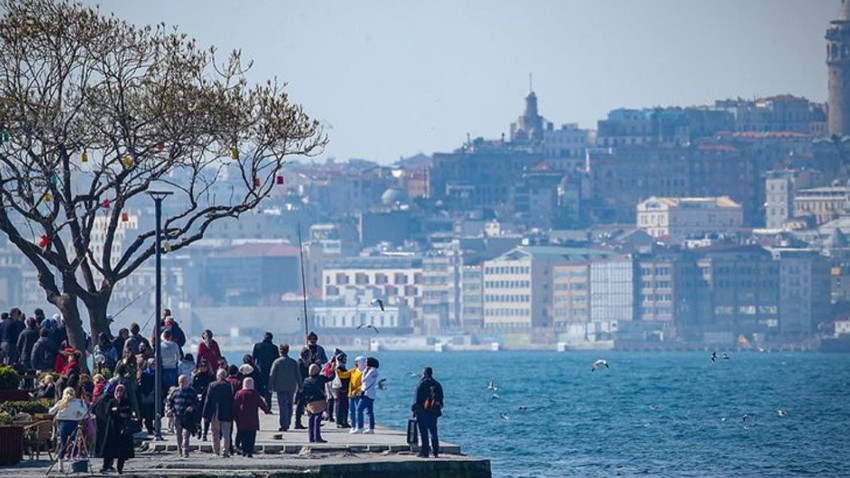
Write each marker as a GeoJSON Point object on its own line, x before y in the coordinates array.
{"type": "Point", "coordinates": [158, 197]}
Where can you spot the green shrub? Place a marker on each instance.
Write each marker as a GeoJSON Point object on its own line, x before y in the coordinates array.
{"type": "Point", "coordinates": [9, 378]}
{"type": "Point", "coordinates": [29, 406]}
{"type": "Point", "coordinates": [5, 419]}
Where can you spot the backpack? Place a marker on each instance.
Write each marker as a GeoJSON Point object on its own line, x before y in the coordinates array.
{"type": "Point", "coordinates": [432, 404]}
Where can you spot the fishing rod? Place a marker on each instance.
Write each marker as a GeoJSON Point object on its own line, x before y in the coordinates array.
{"type": "Point", "coordinates": [115, 315]}
{"type": "Point", "coordinates": [303, 279]}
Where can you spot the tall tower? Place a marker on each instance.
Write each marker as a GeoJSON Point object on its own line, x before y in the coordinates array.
{"type": "Point", "coordinates": [838, 61]}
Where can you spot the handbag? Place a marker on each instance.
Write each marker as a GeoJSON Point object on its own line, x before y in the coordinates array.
{"type": "Point", "coordinates": [412, 432]}
{"type": "Point", "coordinates": [91, 426]}
{"type": "Point", "coordinates": [131, 427]}
{"type": "Point", "coordinates": [317, 406]}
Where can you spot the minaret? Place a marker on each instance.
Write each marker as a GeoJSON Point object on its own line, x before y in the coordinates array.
{"type": "Point", "coordinates": [838, 61]}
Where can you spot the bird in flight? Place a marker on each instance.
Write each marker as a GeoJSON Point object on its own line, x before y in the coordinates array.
{"type": "Point", "coordinates": [522, 408]}
{"type": "Point", "coordinates": [726, 356]}
{"type": "Point", "coordinates": [598, 364]}
{"type": "Point", "coordinates": [492, 385]}
{"type": "Point", "coordinates": [504, 416]}
{"type": "Point", "coordinates": [368, 326]}
{"type": "Point", "coordinates": [495, 397]}
{"type": "Point", "coordinates": [713, 357]}
{"type": "Point", "coordinates": [745, 418]}
{"type": "Point", "coordinates": [382, 384]}
{"type": "Point", "coordinates": [781, 412]}
{"type": "Point", "coordinates": [412, 374]}
{"type": "Point", "coordinates": [379, 303]}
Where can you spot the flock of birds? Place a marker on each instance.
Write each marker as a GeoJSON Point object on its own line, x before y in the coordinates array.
{"type": "Point", "coordinates": [503, 415]}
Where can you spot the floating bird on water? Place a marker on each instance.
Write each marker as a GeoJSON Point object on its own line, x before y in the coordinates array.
{"type": "Point", "coordinates": [781, 412]}
{"type": "Point", "coordinates": [492, 385]}
{"type": "Point", "coordinates": [726, 356]}
{"type": "Point", "coordinates": [598, 364]}
{"type": "Point", "coordinates": [368, 326]}
{"type": "Point", "coordinates": [379, 302]}
{"type": "Point", "coordinates": [504, 416]}
{"type": "Point", "coordinates": [495, 397]}
{"type": "Point", "coordinates": [382, 384]}
{"type": "Point", "coordinates": [713, 357]}
{"type": "Point", "coordinates": [522, 408]}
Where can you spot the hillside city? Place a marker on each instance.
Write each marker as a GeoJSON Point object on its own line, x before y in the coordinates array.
{"type": "Point", "coordinates": [720, 225]}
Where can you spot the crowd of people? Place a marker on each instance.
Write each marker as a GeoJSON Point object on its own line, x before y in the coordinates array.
{"type": "Point", "coordinates": [203, 393]}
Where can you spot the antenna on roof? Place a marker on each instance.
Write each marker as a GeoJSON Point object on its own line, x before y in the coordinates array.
{"type": "Point", "coordinates": [530, 83]}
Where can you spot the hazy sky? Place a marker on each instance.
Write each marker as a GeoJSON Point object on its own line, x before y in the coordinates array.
{"type": "Point", "coordinates": [394, 78]}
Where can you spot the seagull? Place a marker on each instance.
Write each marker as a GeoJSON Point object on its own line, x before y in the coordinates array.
{"type": "Point", "coordinates": [412, 374]}
{"type": "Point", "coordinates": [504, 416]}
{"type": "Point", "coordinates": [379, 302]}
{"type": "Point", "coordinates": [368, 326]}
{"type": "Point", "coordinates": [382, 384]}
{"type": "Point", "coordinates": [522, 408]}
{"type": "Point", "coordinates": [726, 356]}
{"type": "Point", "coordinates": [598, 364]}
{"type": "Point", "coordinates": [492, 385]}
{"type": "Point", "coordinates": [495, 397]}
{"type": "Point", "coordinates": [781, 412]}
{"type": "Point", "coordinates": [713, 357]}
{"type": "Point", "coordinates": [745, 418]}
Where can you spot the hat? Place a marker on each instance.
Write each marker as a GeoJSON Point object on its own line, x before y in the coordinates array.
{"type": "Point", "coordinates": [246, 369]}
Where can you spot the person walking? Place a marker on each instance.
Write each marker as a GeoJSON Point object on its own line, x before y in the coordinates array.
{"type": "Point", "coordinates": [44, 352]}
{"type": "Point", "coordinates": [26, 342]}
{"type": "Point", "coordinates": [69, 411]}
{"type": "Point", "coordinates": [264, 354]}
{"type": "Point", "coordinates": [367, 398]}
{"type": "Point", "coordinates": [182, 406]}
{"type": "Point", "coordinates": [170, 353]}
{"type": "Point", "coordinates": [118, 441]}
{"type": "Point", "coordinates": [313, 390]}
{"type": "Point", "coordinates": [208, 349]}
{"type": "Point", "coordinates": [218, 408]}
{"type": "Point", "coordinates": [300, 403]}
{"type": "Point", "coordinates": [355, 379]}
{"type": "Point", "coordinates": [247, 404]}
{"type": "Point", "coordinates": [284, 380]}
{"type": "Point", "coordinates": [427, 407]}
{"type": "Point", "coordinates": [201, 381]}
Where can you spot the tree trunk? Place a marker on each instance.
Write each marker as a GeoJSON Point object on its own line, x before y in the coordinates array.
{"type": "Point", "coordinates": [97, 307]}
{"type": "Point", "coordinates": [67, 305]}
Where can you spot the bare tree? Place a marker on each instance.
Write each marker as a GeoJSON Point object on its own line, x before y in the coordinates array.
{"type": "Point", "coordinates": [94, 112]}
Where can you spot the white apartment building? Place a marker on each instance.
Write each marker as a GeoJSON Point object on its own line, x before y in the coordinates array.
{"type": "Point", "coordinates": [679, 218]}
{"type": "Point", "coordinates": [394, 279]}
{"type": "Point", "coordinates": [394, 318]}
{"type": "Point", "coordinates": [612, 289]}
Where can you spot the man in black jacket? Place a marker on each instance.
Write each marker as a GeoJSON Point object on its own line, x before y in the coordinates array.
{"type": "Point", "coordinates": [264, 354]}
{"type": "Point", "coordinates": [218, 408]}
{"type": "Point", "coordinates": [427, 407]}
{"type": "Point", "coordinates": [26, 341]}
{"type": "Point", "coordinates": [43, 352]}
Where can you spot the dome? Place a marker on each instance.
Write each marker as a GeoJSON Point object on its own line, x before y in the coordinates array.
{"type": "Point", "coordinates": [393, 196]}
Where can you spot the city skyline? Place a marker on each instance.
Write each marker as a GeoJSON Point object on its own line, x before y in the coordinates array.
{"type": "Point", "coordinates": [391, 80]}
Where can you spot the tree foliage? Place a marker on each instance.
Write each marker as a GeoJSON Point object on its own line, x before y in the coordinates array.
{"type": "Point", "coordinates": [95, 112]}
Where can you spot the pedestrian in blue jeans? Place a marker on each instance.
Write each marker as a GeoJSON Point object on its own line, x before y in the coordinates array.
{"type": "Point", "coordinates": [69, 411]}
{"type": "Point", "coordinates": [367, 399]}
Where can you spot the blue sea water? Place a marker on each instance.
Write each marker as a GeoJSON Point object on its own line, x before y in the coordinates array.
{"type": "Point", "coordinates": [650, 414]}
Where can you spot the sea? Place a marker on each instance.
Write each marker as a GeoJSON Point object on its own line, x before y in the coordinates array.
{"type": "Point", "coordinates": [675, 414]}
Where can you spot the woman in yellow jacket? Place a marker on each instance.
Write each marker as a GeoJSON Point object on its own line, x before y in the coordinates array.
{"type": "Point", "coordinates": [356, 379]}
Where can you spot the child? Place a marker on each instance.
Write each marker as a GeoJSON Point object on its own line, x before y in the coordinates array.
{"type": "Point", "coordinates": [186, 366]}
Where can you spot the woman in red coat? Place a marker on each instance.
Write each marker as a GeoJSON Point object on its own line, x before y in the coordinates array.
{"type": "Point", "coordinates": [208, 349]}
{"type": "Point", "coordinates": [247, 405]}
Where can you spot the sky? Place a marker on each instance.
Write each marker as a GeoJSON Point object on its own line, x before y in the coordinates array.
{"type": "Point", "coordinates": [391, 79]}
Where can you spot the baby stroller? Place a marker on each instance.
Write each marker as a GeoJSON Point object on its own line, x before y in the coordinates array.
{"type": "Point", "coordinates": [76, 449]}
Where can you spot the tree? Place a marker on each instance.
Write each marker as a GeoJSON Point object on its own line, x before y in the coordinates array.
{"type": "Point", "coordinates": [95, 112]}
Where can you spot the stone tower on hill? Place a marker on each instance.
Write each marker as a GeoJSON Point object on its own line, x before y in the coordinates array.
{"type": "Point", "coordinates": [838, 61]}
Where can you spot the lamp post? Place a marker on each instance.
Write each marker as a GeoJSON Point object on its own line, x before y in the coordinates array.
{"type": "Point", "coordinates": [158, 197]}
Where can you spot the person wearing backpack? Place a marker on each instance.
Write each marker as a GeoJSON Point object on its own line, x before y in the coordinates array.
{"type": "Point", "coordinates": [427, 407]}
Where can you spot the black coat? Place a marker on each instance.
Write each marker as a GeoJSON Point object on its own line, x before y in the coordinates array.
{"type": "Point", "coordinates": [117, 443]}
{"type": "Point", "coordinates": [265, 353]}
{"type": "Point", "coordinates": [428, 390]}
{"type": "Point", "coordinates": [314, 387]}
{"type": "Point", "coordinates": [219, 399]}
{"type": "Point", "coordinates": [59, 334]}
{"type": "Point", "coordinates": [26, 341]}
{"type": "Point", "coordinates": [43, 354]}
